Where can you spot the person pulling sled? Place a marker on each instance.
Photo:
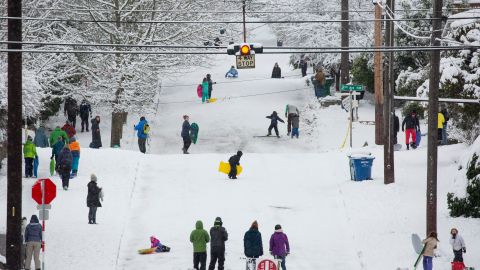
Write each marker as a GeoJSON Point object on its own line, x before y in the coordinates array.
{"type": "Point", "coordinates": [234, 162]}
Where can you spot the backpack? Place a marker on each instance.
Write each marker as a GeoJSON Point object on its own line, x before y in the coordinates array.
{"type": "Point", "coordinates": [146, 129]}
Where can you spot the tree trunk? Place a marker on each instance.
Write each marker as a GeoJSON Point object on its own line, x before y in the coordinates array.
{"type": "Point", "coordinates": [117, 129]}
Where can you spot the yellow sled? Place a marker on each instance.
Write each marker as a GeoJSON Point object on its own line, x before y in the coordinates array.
{"type": "Point", "coordinates": [224, 167]}
{"type": "Point", "coordinates": [147, 251]}
{"type": "Point", "coordinates": [212, 100]}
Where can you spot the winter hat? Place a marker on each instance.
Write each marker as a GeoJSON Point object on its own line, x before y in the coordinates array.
{"type": "Point", "coordinates": [274, 113]}
{"type": "Point", "coordinates": [34, 219]}
{"type": "Point", "coordinates": [142, 118]}
{"type": "Point", "coordinates": [93, 177]}
{"type": "Point", "coordinates": [255, 225]}
{"type": "Point", "coordinates": [239, 153]}
{"type": "Point", "coordinates": [29, 138]}
{"type": "Point", "coordinates": [278, 227]}
{"type": "Point", "coordinates": [185, 116]}
{"type": "Point", "coordinates": [218, 221]}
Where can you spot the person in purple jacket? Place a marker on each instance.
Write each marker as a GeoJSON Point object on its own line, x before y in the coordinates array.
{"type": "Point", "coordinates": [279, 246]}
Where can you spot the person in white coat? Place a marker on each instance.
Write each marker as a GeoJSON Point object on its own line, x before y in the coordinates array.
{"type": "Point", "coordinates": [458, 245]}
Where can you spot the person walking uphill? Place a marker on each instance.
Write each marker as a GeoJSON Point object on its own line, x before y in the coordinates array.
{"type": "Point", "coordinates": [205, 86]}
{"type": "Point", "coordinates": [33, 240]}
{"type": "Point", "coordinates": [70, 109]}
{"type": "Point", "coordinates": [430, 244]}
{"type": "Point", "coordinates": [57, 148]}
{"type": "Point", "coordinates": [64, 166]}
{"type": "Point", "coordinates": [252, 244]}
{"type": "Point", "coordinates": [274, 123]}
{"type": "Point", "coordinates": [412, 125]}
{"type": "Point", "coordinates": [142, 129]}
{"type": "Point", "coordinates": [279, 246]}
{"type": "Point", "coordinates": [40, 139]}
{"type": "Point", "coordinates": [218, 236]}
{"type": "Point", "coordinates": [96, 136]}
{"type": "Point", "coordinates": [56, 133]}
{"type": "Point", "coordinates": [458, 245]}
{"type": "Point", "coordinates": [69, 129]}
{"type": "Point", "coordinates": [75, 149]}
{"type": "Point", "coordinates": [290, 112]}
{"type": "Point", "coordinates": [234, 161]}
{"type": "Point", "coordinates": [94, 196]}
{"type": "Point", "coordinates": [85, 113]}
{"type": "Point", "coordinates": [29, 154]}
{"type": "Point", "coordinates": [276, 72]}
{"type": "Point", "coordinates": [199, 238]}
{"type": "Point", "coordinates": [187, 140]}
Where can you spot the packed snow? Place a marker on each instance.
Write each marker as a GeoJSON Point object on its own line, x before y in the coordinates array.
{"type": "Point", "coordinates": [303, 184]}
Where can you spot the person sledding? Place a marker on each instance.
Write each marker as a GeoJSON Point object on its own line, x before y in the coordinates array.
{"type": "Point", "coordinates": [274, 123]}
{"type": "Point", "coordinates": [155, 243]}
{"type": "Point", "coordinates": [232, 73]}
{"type": "Point", "coordinates": [234, 162]}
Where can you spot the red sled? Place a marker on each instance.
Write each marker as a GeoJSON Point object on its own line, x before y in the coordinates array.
{"type": "Point", "coordinates": [458, 266]}
{"type": "Point", "coordinates": [199, 90]}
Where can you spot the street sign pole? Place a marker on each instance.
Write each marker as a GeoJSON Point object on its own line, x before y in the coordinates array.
{"type": "Point", "coordinates": [351, 118]}
{"type": "Point", "coordinates": [43, 225]}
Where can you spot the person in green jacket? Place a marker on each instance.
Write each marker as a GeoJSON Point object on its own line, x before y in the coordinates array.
{"type": "Point", "coordinates": [58, 132]}
{"type": "Point", "coordinates": [205, 96]}
{"type": "Point", "coordinates": [29, 153]}
{"type": "Point", "coordinates": [199, 238]}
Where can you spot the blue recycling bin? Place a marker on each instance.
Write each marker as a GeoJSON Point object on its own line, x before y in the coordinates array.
{"type": "Point", "coordinates": [361, 167]}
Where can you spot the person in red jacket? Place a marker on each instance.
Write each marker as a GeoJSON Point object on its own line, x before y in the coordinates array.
{"type": "Point", "coordinates": [69, 129]}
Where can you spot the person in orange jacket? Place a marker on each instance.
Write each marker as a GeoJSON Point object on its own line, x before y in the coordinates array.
{"type": "Point", "coordinates": [75, 149]}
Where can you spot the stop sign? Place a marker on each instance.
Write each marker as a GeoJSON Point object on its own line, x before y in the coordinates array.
{"type": "Point", "coordinates": [50, 191]}
{"type": "Point", "coordinates": [267, 265]}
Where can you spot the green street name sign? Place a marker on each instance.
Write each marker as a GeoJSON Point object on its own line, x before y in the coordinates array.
{"type": "Point", "coordinates": [352, 87]}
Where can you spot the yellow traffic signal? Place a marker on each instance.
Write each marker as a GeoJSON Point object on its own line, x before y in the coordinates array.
{"type": "Point", "coordinates": [245, 50]}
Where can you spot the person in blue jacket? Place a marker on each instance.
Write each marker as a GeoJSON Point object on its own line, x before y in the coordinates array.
{"type": "Point", "coordinates": [186, 128]}
{"type": "Point", "coordinates": [33, 241]}
{"type": "Point", "coordinates": [274, 118]}
{"type": "Point", "coordinates": [232, 73]}
{"type": "Point", "coordinates": [142, 134]}
{"type": "Point", "coordinates": [40, 139]}
{"type": "Point", "coordinates": [252, 243]}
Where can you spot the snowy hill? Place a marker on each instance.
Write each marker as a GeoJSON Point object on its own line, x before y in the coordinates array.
{"type": "Point", "coordinates": [304, 184]}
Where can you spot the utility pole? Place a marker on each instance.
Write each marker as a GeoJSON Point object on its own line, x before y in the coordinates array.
{"type": "Point", "coordinates": [432, 154]}
{"type": "Point", "coordinates": [244, 21]}
{"type": "Point", "coordinates": [345, 64]}
{"type": "Point", "coordinates": [14, 139]}
{"type": "Point", "coordinates": [378, 78]}
{"type": "Point", "coordinates": [389, 85]}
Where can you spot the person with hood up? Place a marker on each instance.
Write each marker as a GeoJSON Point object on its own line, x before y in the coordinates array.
{"type": "Point", "coordinates": [141, 135]}
{"type": "Point", "coordinates": [234, 161]}
{"type": "Point", "coordinates": [205, 86]}
{"type": "Point", "coordinates": [412, 125]}
{"type": "Point", "coordinates": [290, 112]}
{"type": "Point", "coordinates": [85, 112]}
{"type": "Point", "coordinates": [57, 147]}
{"type": "Point", "coordinates": [70, 109]}
{"type": "Point", "coordinates": [94, 196]}
{"type": "Point", "coordinates": [252, 244]}
{"type": "Point", "coordinates": [69, 129]}
{"type": "Point", "coordinates": [33, 240]}
{"type": "Point", "coordinates": [274, 123]}
{"type": "Point", "coordinates": [29, 154]}
{"type": "Point", "coordinates": [276, 72]}
{"type": "Point", "coordinates": [199, 238]}
{"type": "Point", "coordinates": [430, 244]}
{"type": "Point", "coordinates": [218, 236]}
{"type": "Point", "coordinates": [56, 133]}
{"type": "Point", "coordinates": [40, 139]}
{"type": "Point", "coordinates": [96, 136]}
{"type": "Point", "coordinates": [279, 246]}
{"type": "Point", "coordinates": [187, 140]}
{"type": "Point", "coordinates": [232, 73]}
{"type": "Point", "coordinates": [64, 166]}
{"type": "Point", "coordinates": [458, 245]}
{"type": "Point", "coordinates": [75, 149]}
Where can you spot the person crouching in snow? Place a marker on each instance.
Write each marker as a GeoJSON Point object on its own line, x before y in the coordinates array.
{"type": "Point", "coordinates": [95, 194]}
{"type": "Point", "coordinates": [155, 243]}
{"type": "Point", "coordinates": [234, 162]}
{"type": "Point", "coordinates": [75, 149]}
{"type": "Point", "coordinates": [232, 73]}
{"type": "Point", "coordinates": [295, 126]}
{"type": "Point", "coordinates": [274, 123]}
{"type": "Point", "coordinates": [279, 246]}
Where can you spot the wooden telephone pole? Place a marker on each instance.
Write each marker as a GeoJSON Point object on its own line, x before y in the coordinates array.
{"type": "Point", "coordinates": [378, 78]}
{"type": "Point", "coordinates": [433, 120]}
{"type": "Point", "coordinates": [345, 57]}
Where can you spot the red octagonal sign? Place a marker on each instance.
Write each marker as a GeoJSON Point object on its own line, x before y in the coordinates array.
{"type": "Point", "coordinates": [50, 191]}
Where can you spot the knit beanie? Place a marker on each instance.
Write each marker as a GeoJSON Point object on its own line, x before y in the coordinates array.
{"type": "Point", "coordinates": [93, 177]}
{"type": "Point", "coordinates": [255, 225]}
{"type": "Point", "coordinates": [218, 221]}
{"type": "Point", "coordinates": [278, 227]}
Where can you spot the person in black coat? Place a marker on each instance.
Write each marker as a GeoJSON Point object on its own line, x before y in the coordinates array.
{"type": "Point", "coordinates": [276, 72]}
{"type": "Point", "coordinates": [234, 162]}
{"type": "Point", "coordinates": [303, 67]}
{"type": "Point", "coordinates": [252, 243]}
{"type": "Point", "coordinates": [94, 196]}
{"type": "Point", "coordinates": [274, 123]}
{"type": "Point", "coordinates": [396, 127]}
{"type": "Point", "coordinates": [70, 109]}
{"type": "Point", "coordinates": [85, 113]}
{"type": "Point", "coordinates": [187, 140]}
{"type": "Point", "coordinates": [412, 126]}
{"type": "Point", "coordinates": [210, 85]}
{"type": "Point", "coordinates": [96, 137]}
{"type": "Point", "coordinates": [218, 236]}
{"type": "Point", "coordinates": [64, 166]}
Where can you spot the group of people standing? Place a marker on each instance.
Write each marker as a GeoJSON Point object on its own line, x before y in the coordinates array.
{"type": "Point", "coordinates": [430, 244]}
{"type": "Point", "coordinates": [252, 240]}
{"type": "Point", "coordinates": [206, 88]}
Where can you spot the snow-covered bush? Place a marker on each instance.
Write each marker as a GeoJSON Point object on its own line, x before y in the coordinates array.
{"type": "Point", "coordinates": [409, 107]}
{"type": "Point", "coordinates": [409, 80]}
{"type": "Point", "coordinates": [468, 206]}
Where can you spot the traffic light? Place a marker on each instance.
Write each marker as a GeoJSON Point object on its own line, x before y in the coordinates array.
{"type": "Point", "coordinates": [244, 49]}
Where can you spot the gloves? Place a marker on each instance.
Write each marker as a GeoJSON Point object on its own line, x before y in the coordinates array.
{"type": "Point", "coordinates": [464, 250]}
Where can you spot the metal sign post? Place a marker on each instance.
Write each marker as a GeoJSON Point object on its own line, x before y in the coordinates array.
{"type": "Point", "coordinates": [43, 224]}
